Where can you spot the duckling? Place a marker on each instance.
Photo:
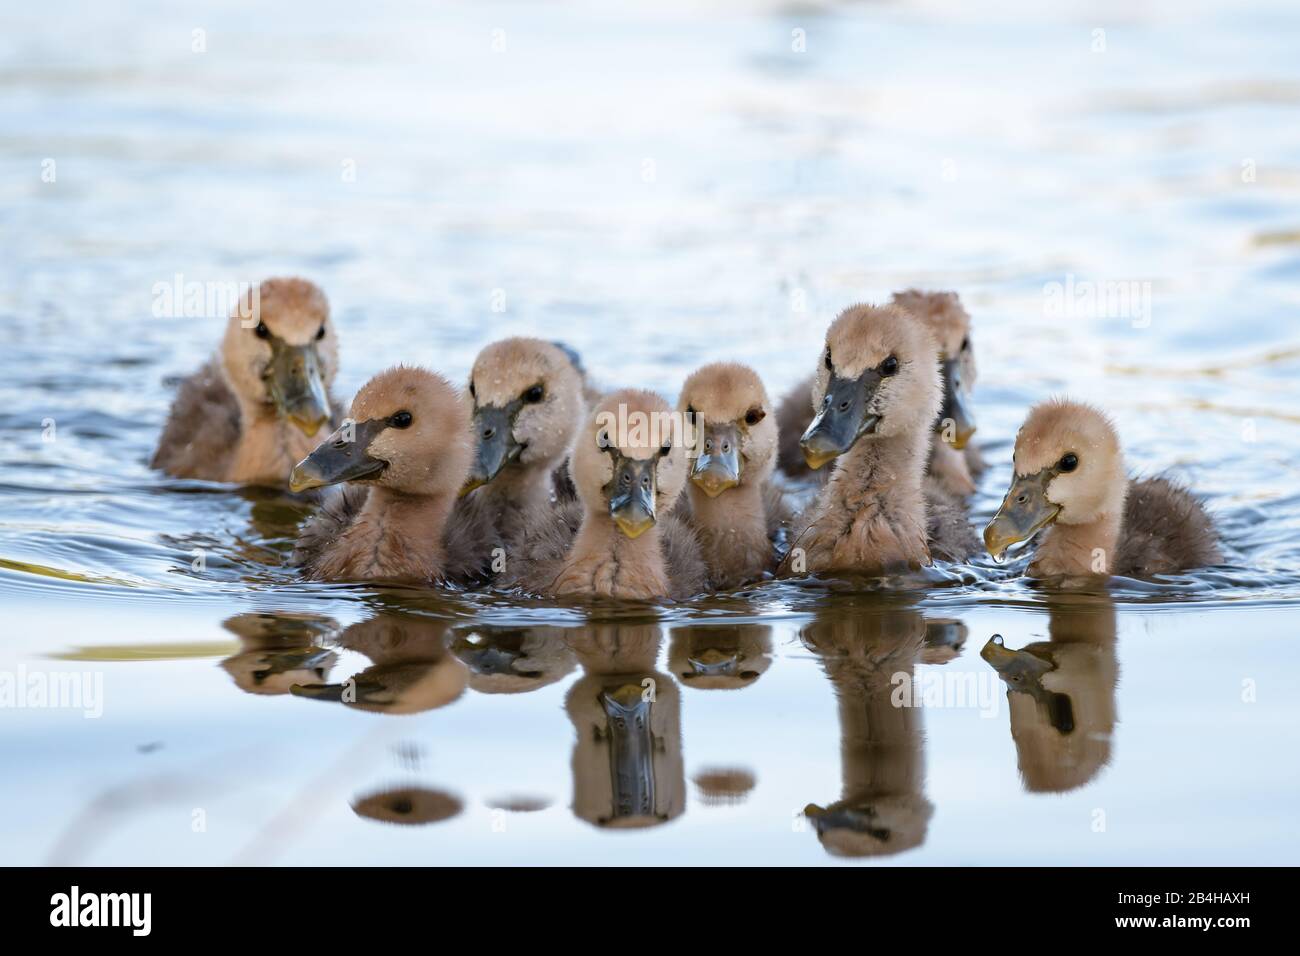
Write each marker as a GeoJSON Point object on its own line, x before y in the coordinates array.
{"type": "Point", "coordinates": [253, 410]}
{"type": "Point", "coordinates": [1061, 693]}
{"type": "Point", "coordinates": [720, 657]}
{"type": "Point", "coordinates": [869, 649]}
{"type": "Point", "coordinates": [512, 660]}
{"type": "Point", "coordinates": [878, 391]}
{"type": "Point", "coordinates": [412, 670]}
{"type": "Point", "coordinates": [1069, 479]}
{"type": "Point", "coordinates": [629, 466]}
{"type": "Point", "coordinates": [732, 504]}
{"type": "Point", "coordinates": [528, 398]}
{"type": "Point", "coordinates": [953, 461]}
{"type": "Point", "coordinates": [405, 452]}
{"type": "Point", "coordinates": [628, 771]}
{"type": "Point", "coordinates": [278, 650]}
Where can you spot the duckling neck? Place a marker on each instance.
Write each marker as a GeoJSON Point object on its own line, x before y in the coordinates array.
{"type": "Point", "coordinates": [870, 518]}
{"type": "Point", "coordinates": [604, 561]}
{"type": "Point", "coordinates": [395, 537]}
{"type": "Point", "coordinates": [880, 732]}
{"type": "Point", "coordinates": [268, 446]}
{"type": "Point", "coordinates": [950, 467]}
{"type": "Point", "coordinates": [1079, 549]}
{"type": "Point", "coordinates": [519, 493]}
{"type": "Point", "coordinates": [732, 530]}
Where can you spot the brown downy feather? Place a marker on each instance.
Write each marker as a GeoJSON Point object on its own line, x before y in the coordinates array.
{"type": "Point", "coordinates": [225, 423]}
{"type": "Point", "coordinates": [409, 453]}
{"type": "Point", "coordinates": [601, 560]}
{"type": "Point", "coordinates": [738, 527]}
{"type": "Point", "coordinates": [1165, 529]}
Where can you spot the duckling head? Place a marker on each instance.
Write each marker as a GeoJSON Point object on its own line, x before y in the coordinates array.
{"type": "Point", "coordinates": [630, 459]}
{"type": "Point", "coordinates": [878, 378]}
{"type": "Point", "coordinates": [280, 351]}
{"type": "Point", "coordinates": [407, 431]}
{"type": "Point", "coordinates": [949, 323]}
{"type": "Point", "coordinates": [735, 434]}
{"type": "Point", "coordinates": [527, 403]}
{"type": "Point", "coordinates": [1069, 469]}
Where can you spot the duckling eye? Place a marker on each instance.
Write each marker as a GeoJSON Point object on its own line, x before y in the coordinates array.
{"type": "Point", "coordinates": [602, 439]}
{"type": "Point", "coordinates": [965, 344]}
{"type": "Point", "coordinates": [1068, 462]}
{"type": "Point", "coordinates": [262, 331]}
{"type": "Point", "coordinates": [400, 419]}
{"type": "Point", "coordinates": [320, 333]}
{"type": "Point", "coordinates": [829, 368]}
{"type": "Point", "coordinates": [534, 394]}
{"type": "Point", "coordinates": [664, 451]}
{"type": "Point", "coordinates": [889, 366]}
{"type": "Point", "coordinates": [754, 416]}
{"type": "Point", "coordinates": [471, 390]}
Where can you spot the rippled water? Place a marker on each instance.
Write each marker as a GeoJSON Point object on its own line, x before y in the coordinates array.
{"type": "Point", "coordinates": [660, 190]}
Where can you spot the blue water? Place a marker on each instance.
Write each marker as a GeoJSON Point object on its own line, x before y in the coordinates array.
{"type": "Point", "coordinates": [661, 187]}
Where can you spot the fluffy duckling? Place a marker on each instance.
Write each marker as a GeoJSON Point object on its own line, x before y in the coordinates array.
{"type": "Point", "coordinates": [1061, 693]}
{"type": "Point", "coordinates": [628, 771]}
{"type": "Point", "coordinates": [869, 650]}
{"type": "Point", "coordinates": [733, 505]}
{"type": "Point", "coordinates": [1069, 479]}
{"type": "Point", "coordinates": [877, 392]}
{"type": "Point", "coordinates": [528, 402]}
{"type": "Point", "coordinates": [629, 466]}
{"type": "Point", "coordinates": [405, 453]}
{"type": "Point", "coordinates": [952, 460]}
{"type": "Point", "coordinates": [253, 410]}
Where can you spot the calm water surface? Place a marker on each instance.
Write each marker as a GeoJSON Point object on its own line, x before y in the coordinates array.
{"type": "Point", "coordinates": [660, 190]}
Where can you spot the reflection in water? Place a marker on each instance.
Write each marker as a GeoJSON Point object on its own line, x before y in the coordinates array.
{"type": "Point", "coordinates": [724, 786]}
{"type": "Point", "coordinates": [512, 660]}
{"type": "Point", "coordinates": [278, 651]}
{"type": "Point", "coordinates": [1061, 693]}
{"type": "Point", "coordinates": [711, 657]}
{"type": "Point", "coordinates": [409, 806]}
{"type": "Point", "coordinates": [627, 761]}
{"type": "Point", "coordinates": [862, 646]}
{"type": "Point", "coordinates": [944, 639]}
{"type": "Point", "coordinates": [413, 669]}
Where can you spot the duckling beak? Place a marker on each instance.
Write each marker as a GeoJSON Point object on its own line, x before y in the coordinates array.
{"type": "Point", "coordinates": [1024, 510]}
{"type": "Point", "coordinates": [842, 419]}
{"type": "Point", "coordinates": [494, 431]}
{"type": "Point", "coordinates": [996, 654]}
{"type": "Point", "coordinates": [632, 501]}
{"type": "Point", "coordinates": [295, 384]}
{"type": "Point", "coordinates": [341, 457]}
{"type": "Point", "coordinates": [956, 407]}
{"type": "Point", "coordinates": [718, 467]}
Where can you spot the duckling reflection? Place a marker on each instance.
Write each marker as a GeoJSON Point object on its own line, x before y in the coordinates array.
{"type": "Point", "coordinates": [278, 651]}
{"type": "Point", "coordinates": [512, 660]}
{"type": "Point", "coordinates": [407, 806]}
{"type": "Point", "coordinates": [722, 657]}
{"type": "Point", "coordinates": [1061, 694]}
{"type": "Point", "coordinates": [883, 809]}
{"type": "Point", "coordinates": [944, 639]}
{"type": "Point", "coordinates": [627, 761]}
{"type": "Point", "coordinates": [413, 670]}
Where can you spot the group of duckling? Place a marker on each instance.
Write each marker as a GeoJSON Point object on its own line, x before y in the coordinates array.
{"type": "Point", "coordinates": [520, 479]}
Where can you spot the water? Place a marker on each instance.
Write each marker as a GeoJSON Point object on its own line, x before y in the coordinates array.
{"type": "Point", "coordinates": [661, 190]}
